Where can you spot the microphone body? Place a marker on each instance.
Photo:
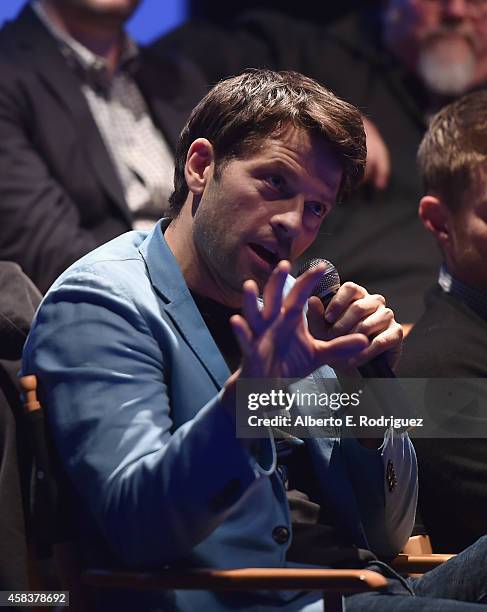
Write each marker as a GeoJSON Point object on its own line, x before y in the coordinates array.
{"type": "Point", "coordinates": [325, 289]}
{"type": "Point", "coordinates": [376, 368]}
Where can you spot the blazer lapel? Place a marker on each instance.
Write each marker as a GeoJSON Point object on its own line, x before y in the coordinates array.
{"type": "Point", "coordinates": [51, 67]}
{"type": "Point", "coordinates": [169, 283]}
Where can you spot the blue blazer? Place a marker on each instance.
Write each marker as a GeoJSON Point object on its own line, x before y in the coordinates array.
{"type": "Point", "coordinates": [132, 379]}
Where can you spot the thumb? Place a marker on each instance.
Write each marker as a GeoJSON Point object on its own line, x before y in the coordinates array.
{"type": "Point", "coordinates": [317, 324]}
{"type": "Point", "coordinates": [340, 349]}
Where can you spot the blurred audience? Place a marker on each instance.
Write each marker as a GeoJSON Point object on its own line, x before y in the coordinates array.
{"type": "Point", "coordinates": [399, 63]}
{"type": "Point", "coordinates": [88, 124]}
{"type": "Point", "coordinates": [450, 339]}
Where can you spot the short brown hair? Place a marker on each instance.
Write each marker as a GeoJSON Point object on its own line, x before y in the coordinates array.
{"type": "Point", "coordinates": [240, 111]}
{"type": "Point", "coordinates": [453, 148]}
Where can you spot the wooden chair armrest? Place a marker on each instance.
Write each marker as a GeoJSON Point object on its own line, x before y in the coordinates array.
{"type": "Point", "coordinates": [418, 545]}
{"type": "Point", "coordinates": [328, 581]}
{"type": "Point", "coordinates": [418, 564]}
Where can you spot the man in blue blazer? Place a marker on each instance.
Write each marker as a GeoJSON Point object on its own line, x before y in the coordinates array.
{"type": "Point", "coordinates": [139, 346]}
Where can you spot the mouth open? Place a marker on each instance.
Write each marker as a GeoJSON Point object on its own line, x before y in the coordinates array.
{"type": "Point", "coordinates": [267, 255]}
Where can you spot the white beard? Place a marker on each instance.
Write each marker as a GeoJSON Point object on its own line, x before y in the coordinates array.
{"type": "Point", "coordinates": [446, 65]}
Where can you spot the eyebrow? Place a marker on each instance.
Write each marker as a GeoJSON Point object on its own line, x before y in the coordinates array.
{"type": "Point", "coordinates": [282, 165]}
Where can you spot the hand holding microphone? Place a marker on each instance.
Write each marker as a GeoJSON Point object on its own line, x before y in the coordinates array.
{"type": "Point", "coordinates": [274, 340]}
{"type": "Point", "coordinates": [338, 310]}
{"type": "Point", "coordinates": [276, 343]}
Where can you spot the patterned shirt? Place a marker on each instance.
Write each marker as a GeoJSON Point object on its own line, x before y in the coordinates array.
{"type": "Point", "coordinates": [140, 154]}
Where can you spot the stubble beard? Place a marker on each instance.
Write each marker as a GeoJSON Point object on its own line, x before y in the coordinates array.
{"type": "Point", "coordinates": [220, 264]}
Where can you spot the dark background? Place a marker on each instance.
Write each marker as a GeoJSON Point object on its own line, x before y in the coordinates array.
{"type": "Point", "coordinates": [317, 10]}
{"type": "Point", "coordinates": [156, 17]}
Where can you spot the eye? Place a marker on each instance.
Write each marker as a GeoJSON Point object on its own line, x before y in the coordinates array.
{"type": "Point", "coordinates": [317, 208]}
{"type": "Point", "coordinates": [276, 181]}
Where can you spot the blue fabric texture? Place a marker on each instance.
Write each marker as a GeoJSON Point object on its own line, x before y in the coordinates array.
{"type": "Point", "coordinates": [460, 585]}
{"type": "Point", "coordinates": [132, 380]}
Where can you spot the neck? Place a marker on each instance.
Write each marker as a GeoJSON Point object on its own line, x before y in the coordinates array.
{"type": "Point", "coordinates": [466, 275]}
{"type": "Point", "coordinates": [197, 274]}
{"type": "Point", "coordinates": [104, 37]}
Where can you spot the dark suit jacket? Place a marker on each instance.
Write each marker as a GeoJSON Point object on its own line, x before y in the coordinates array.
{"type": "Point", "coordinates": [449, 341]}
{"type": "Point", "coordinates": [18, 301]}
{"type": "Point", "coordinates": [60, 195]}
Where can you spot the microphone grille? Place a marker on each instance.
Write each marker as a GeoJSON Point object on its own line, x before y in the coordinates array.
{"type": "Point", "coordinates": [329, 283]}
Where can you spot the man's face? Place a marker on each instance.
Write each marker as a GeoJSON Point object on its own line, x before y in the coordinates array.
{"type": "Point", "coordinates": [443, 41]}
{"type": "Point", "coordinates": [263, 208]}
{"type": "Point", "coordinates": [467, 249]}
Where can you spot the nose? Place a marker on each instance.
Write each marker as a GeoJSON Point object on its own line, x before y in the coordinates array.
{"type": "Point", "coordinates": [455, 10]}
{"type": "Point", "coordinates": [288, 222]}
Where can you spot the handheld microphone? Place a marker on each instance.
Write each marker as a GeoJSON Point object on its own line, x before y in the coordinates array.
{"type": "Point", "coordinates": [325, 289]}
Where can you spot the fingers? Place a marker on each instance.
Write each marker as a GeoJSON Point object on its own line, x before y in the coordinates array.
{"type": "Point", "coordinates": [357, 316]}
{"type": "Point", "coordinates": [317, 325]}
{"type": "Point", "coordinates": [388, 343]}
{"type": "Point", "coordinates": [292, 304]}
{"type": "Point", "coordinates": [376, 323]}
{"type": "Point", "coordinates": [345, 296]}
{"type": "Point", "coordinates": [353, 311]}
{"type": "Point", "coordinates": [289, 319]}
{"type": "Point", "coordinates": [366, 316]}
{"type": "Point", "coordinates": [273, 290]}
{"type": "Point", "coordinates": [340, 349]}
{"type": "Point", "coordinates": [258, 319]}
{"type": "Point", "coordinates": [250, 309]}
{"type": "Point", "coordinates": [243, 333]}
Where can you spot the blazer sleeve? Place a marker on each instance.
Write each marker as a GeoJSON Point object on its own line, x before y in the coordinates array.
{"type": "Point", "coordinates": [40, 228]}
{"type": "Point", "coordinates": [154, 491]}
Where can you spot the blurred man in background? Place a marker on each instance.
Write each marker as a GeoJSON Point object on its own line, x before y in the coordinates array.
{"type": "Point", "coordinates": [450, 339]}
{"type": "Point", "coordinates": [88, 123]}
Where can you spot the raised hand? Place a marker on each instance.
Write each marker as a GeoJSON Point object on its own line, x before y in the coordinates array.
{"type": "Point", "coordinates": [275, 340]}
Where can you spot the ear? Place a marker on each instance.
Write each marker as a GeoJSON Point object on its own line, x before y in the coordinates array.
{"type": "Point", "coordinates": [436, 218]}
{"type": "Point", "coordinates": [199, 165]}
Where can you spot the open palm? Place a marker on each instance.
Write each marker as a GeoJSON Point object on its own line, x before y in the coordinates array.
{"type": "Point", "coordinates": [275, 340]}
